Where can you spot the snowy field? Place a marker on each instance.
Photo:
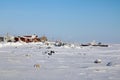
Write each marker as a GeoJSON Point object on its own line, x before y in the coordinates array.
{"type": "Point", "coordinates": [22, 61]}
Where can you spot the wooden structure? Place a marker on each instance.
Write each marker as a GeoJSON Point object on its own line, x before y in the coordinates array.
{"type": "Point", "coordinates": [43, 39]}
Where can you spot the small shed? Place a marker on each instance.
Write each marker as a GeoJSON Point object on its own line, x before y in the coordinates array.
{"type": "Point", "coordinates": [1, 39]}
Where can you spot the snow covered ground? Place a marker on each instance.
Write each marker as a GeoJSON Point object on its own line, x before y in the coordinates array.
{"type": "Point", "coordinates": [22, 61]}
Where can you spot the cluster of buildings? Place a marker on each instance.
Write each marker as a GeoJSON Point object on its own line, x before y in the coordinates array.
{"type": "Point", "coordinates": [94, 43]}
{"type": "Point", "coordinates": [26, 38]}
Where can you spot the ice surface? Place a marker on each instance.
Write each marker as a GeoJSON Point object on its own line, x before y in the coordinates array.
{"type": "Point", "coordinates": [17, 62]}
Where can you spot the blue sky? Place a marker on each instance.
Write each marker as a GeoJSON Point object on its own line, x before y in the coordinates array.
{"type": "Point", "coordinates": [68, 20]}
